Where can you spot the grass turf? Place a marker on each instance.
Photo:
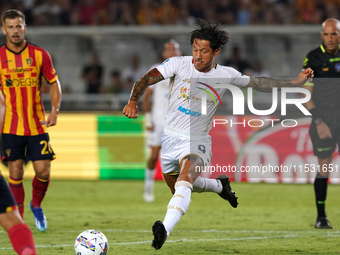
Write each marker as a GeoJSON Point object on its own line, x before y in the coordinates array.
{"type": "Point", "coordinates": [270, 219]}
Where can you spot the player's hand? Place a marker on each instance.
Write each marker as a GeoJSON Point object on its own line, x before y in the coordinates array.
{"type": "Point", "coordinates": [304, 76]}
{"type": "Point", "coordinates": [52, 119]}
{"type": "Point", "coordinates": [323, 131]}
{"type": "Point", "coordinates": [131, 110]}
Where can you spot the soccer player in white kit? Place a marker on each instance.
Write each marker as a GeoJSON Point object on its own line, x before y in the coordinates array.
{"type": "Point", "coordinates": [154, 119]}
{"type": "Point", "coordinates": [186, 143]}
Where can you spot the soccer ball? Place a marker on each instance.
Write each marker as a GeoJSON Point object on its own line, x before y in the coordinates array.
{"type": "Point", "coordinates": [91, 242]}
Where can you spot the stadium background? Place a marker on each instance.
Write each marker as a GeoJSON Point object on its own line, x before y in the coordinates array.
{"type": "Point", "coordinates": [92, 139]}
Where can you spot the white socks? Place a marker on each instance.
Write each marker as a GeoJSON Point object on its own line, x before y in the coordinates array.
{"type": "Point", "coordinates": [178, 205]}
{"type": "Point", "coordinates": [207, 185]}
{"type": "Point", "coordinates": [149, 181]}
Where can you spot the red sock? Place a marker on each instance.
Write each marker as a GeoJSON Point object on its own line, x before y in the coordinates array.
{"type": "Point", "coordinates": [22, 240]}
{"type": "Point", "coordinates": [18, 192]}
{"type": "Point", "coordinates": [39, 190]}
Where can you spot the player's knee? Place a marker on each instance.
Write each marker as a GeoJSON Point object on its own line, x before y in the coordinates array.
{"type": "Point", "coordinates": [180, 183]}
{"type": "Point", "coordinates": [43, 174]}
{"type": "Point", "coordinates": [194, 160]}
{"type": "Point", "coordinates": [42, 171]}
{"type": "Point", "coordinates": [16, 172]}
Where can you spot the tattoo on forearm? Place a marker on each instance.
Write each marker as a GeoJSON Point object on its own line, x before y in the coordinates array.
{"type": "Point", "coordinates": [265, 84]}
{"type": "Point", "coordinates": [140, 86]}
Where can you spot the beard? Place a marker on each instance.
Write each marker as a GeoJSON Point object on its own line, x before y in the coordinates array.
{"type": "Point", "coordinates": [16, 42]}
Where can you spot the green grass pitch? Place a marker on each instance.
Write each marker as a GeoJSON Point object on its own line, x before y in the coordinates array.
{"type": "Point", "coordinates": [270, 219]}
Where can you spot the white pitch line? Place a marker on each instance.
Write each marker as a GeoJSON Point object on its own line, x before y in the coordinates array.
{"type": "Point", "coordinates": [205, 231]}
{"type": "Point", "coordinates": [197, 240]}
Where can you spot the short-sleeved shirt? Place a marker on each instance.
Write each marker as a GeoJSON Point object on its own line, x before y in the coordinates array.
{"type": "Point", "coordinates": [326, 81]}
{"type": "Point", "coordinates": [187, 85]}
{"type": "Point", "coordinates": [160, 92]}
{"type": "Point", "coordinates": [20, 77]}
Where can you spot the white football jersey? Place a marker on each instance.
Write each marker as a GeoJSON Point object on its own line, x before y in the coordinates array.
{"type": "Point", "coordinates": [160, 92]}
{"type": "Point", "coordinates": [187, 86]}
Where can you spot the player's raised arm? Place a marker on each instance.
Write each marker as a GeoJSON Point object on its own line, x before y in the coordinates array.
{"type": "Point", "coordinates": [152, 77]}
{"type": "Point", "coordinates": [265, 84]}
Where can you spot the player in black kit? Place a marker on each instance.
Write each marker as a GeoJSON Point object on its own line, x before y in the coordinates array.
{"type": "Point", "coordinates": [325, 109]}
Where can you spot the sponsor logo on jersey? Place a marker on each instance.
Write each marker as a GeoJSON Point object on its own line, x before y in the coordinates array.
{"type": "Point", "coordinates": [22, 82]}
{"type": "Point", "coordinates": [9, 83]}
{"type": "Point", "coordinates": [19, 70]}
{"type": "Point", "coordinates": [189, 112]}
{"type": "Point", "coordinates": [186, 80]}
{"type": "Point", "coordinates": [165, 61]}
{"type": "Point", "coordinates": [334, 60]}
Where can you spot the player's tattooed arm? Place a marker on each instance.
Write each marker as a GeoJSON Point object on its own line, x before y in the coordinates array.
{"type": "Point", "coordinates": [265, 84]}
{"type": "Point", "coordinates": [140, 86]}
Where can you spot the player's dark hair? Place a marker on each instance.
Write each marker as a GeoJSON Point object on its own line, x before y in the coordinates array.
{"type": "Point", "coordinates": [210, 31]}
{"type": "Point", "coordinates": [12, 14]}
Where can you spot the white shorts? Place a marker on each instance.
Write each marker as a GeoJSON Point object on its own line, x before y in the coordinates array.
{"type": "Point", "coordinates": [176, 145]}
{"type": "Point", "coordinates": [155, 136]}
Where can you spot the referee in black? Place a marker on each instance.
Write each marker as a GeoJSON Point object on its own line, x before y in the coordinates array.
{"type": "Point", "coordinates": [325, 109]}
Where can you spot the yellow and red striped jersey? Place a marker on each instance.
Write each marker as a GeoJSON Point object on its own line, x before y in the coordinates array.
{"type": "Point", "coordinates": [20, 77]}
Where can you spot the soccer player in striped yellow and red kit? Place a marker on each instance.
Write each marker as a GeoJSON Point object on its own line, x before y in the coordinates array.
{"type": "Point", "coordinates": [18, 232]}
{"type": "Point", "coordinates": [24, 134]}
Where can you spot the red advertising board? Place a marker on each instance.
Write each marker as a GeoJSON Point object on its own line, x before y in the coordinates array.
{"type": "Point", "coordinates": [262, 149]}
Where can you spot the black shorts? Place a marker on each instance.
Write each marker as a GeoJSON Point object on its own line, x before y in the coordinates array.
{"type": "Point", "coordinates": [7, 202]}
{"type": "Point", "coordinates": [323, 148]}
{"type": "Point", "coordinates": [37, 147]}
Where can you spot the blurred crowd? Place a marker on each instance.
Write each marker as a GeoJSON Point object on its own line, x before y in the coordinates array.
{"type": "Point", "coordinates": [173, 12]}
{"type": "Point", "coordinates": [121, 81]}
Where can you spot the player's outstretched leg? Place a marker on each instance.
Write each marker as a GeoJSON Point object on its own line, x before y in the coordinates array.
{"type": "Point", "coordinates": [22, 239]}
{"type": "Point", "coordinates": [227, 193]}
{"type": "Point", "coordinates": [39, 218]}
{"type": "Point", "coordinates": [159, 235]}
{"type": "Point", "coordinates": [202, 184]}
{"type": "Point", "coordinates": [178, 205]}
{"type": "Point", "coordinates": [323, 223]}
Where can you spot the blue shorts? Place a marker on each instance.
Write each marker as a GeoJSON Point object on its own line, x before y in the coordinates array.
{"type": "Point", "coordinates": [7, 202]}
{"type": "Point", "coordinates": [37, 147]}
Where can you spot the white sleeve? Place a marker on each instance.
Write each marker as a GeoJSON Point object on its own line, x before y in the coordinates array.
{"type": "Point", "coordinates": [238, 78]}
{"type": "Point", "coordinates": [170, 67]}
{"type": "Point", "coordinates": [153, 66]}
